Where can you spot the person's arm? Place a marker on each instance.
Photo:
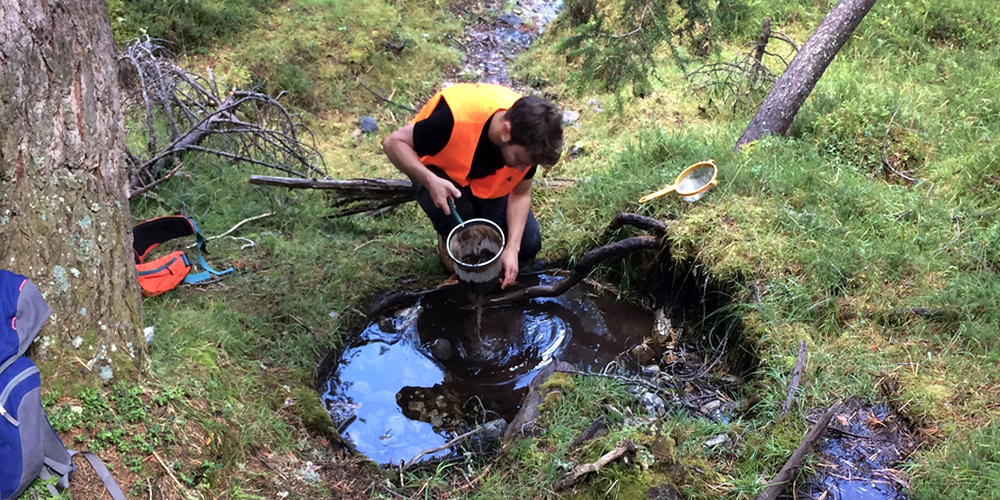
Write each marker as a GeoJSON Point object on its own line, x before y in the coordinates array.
{"type": "Point", "coordinates": [518, 205]}
{"type": "Point", "coordinates": [402, 153]}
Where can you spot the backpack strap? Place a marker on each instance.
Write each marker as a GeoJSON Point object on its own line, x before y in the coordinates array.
{"type": "Point", "coordinates": [200, 247]}
{"type": "Point", "coordinates": [150, 234]}
{"type": "Point", "coordinates": [102, 472]}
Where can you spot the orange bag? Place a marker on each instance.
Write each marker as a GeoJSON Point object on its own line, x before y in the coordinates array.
{"type": "Point", "coordinates": [165, 273]}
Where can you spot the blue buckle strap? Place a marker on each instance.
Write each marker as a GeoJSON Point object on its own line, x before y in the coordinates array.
{"type": "Point", "coordinates": [207, 272]}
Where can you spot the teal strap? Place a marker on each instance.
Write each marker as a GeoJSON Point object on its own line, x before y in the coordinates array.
{"type": "Point", "coordinates": [207, 272]}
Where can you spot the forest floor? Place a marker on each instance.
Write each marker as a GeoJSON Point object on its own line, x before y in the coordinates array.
{"type": "Point", "coordinates": [892, 283]}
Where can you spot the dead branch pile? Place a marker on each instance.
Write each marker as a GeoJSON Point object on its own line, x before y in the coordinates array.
{"type": "Point", "coordinates": [187, 113]}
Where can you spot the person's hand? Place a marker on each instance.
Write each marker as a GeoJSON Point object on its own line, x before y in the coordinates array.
{"type": "Point", "coordinates": [508, 260]}
{"type": "Point", "coordinates": [440, 190]}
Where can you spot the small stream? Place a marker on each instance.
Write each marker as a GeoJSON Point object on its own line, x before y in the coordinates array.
{"type": "Point", "coordinates": [412, 378]}
{"type": "Point", "coordinates": [491, 42]}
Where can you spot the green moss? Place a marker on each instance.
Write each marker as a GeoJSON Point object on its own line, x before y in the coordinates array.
{"type": "Point", "coordinates": [924, 400]}
{"type": "Point", "coordinates": [558, 380]}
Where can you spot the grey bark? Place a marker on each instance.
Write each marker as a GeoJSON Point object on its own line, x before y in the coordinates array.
{"type": "Point", "coordinates": [796, 83]}
{"type": "Point", "coordinates": [64, 216]}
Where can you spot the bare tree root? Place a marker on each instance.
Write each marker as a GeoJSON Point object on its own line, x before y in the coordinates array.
{"type": "Point", "coordinates": [586, 264]}
{"type": "Point", "coordinates": [746, 76]}
{"type": "Point", "coordinates": [240, 126]}
{"type": "Point", "coordinates": [640, 221]}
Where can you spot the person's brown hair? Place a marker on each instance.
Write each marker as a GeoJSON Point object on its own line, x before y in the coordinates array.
{"type": "Point", "coordinates": [536, 124]}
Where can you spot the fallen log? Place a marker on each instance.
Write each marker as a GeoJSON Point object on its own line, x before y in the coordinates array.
{"type": "Point", "coordinates": [355, 196]}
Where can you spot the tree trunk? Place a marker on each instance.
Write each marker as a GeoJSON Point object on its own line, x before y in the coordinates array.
{"type": "Point", "coordinates": [64, 216]}
{"type": "Point", "coordinates": [790, 91]}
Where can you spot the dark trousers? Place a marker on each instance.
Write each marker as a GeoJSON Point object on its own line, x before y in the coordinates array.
{"type": "Point", "coordinates": [470, 207]}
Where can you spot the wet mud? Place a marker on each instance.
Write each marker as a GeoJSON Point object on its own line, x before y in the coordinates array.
{"type": "Point", "coordinates": [415, 377]}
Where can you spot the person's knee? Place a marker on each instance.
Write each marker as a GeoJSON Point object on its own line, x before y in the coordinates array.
{"type": "Point", "coordinates": [531, 242]}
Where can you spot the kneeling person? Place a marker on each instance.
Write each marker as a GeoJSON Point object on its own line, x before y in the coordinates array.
{"type": "Point", "coordinates": [479, 145]}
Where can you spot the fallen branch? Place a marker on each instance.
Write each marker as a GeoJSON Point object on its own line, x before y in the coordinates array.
{"type": "Point", "coordinates": [777, 485]}
{"type": "Point", "coordinates": [623, 448]}
{"type": "Point", "coordinates": [238, 126]}
{"type": "Point", "coordinates": [796, 375]}
{"type": "Point", "coordinates": [345, 185]}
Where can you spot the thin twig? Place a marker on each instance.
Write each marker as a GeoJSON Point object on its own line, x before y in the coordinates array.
{"type": "Point", "coordinates": [796, 375]}
{"type": "Point", "coordinates": [180, 487]}
{"type": "Point", "coordinates": [240, 223]}
{"type": "Point", "coordinates": [386, 99]}
{"type": "Point", "coordinates": [155, 183]}
{"type": "Point", "coordinates": [885, 144]}
{"type": "Point", "coordinates": [445, 446]}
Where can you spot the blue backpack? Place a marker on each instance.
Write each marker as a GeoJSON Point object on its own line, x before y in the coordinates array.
{"type": "Point", "coordinates": [29, 447]}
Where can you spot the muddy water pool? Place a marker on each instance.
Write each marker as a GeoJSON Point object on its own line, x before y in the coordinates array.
{"type": "Point", "coordinates": [392, 398]}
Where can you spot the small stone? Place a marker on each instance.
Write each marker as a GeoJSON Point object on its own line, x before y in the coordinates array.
{"type": "Point", "coordinates": [368, 124]}
{"type": "Point", "coordinates": [710, 406]}
{"type": "Point", "coordinates": [570, 117]}
{"type": "Point", "coordinates": [653, 404]}
{"type": "Point", "coordinates": [650, 371]}
{"type": "Point", "coordinates": [77, 342]}
{"type": "Point", "coordinates": [309, 473]}
{"type": "Point", "coordinates": [334, 315]}
{"type": "Point", "coordinates": [441, 349]}
{"type": "Point", "coordinates": [494, 429]}
{"type": "Point", "coordinates": [357, 133]}
{"type": "Point", "coordinates": [106, 373]}
{"type": "Point", "coordinates": [643, 354]}
{"type": "Point", "coordinates": [716, 441]}
{"type": "Point", "coordinates": [510, 19]}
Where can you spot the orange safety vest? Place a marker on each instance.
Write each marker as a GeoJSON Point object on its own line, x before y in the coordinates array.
{"type": "Point", "coordinates": [472, 105]}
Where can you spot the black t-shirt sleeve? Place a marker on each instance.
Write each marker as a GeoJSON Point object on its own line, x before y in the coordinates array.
{"type": "Point", "coordinates": [531, 173]}
{"type": "Point", "coordinates": [432, 134]}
